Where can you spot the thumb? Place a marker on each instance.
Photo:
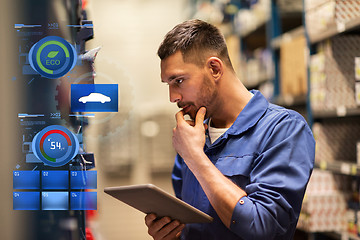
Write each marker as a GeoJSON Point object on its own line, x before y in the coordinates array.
{"type": "Point", "coordinates": [200, 115]}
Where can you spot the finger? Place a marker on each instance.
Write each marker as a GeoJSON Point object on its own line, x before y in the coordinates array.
{"type": "Point", "coordinates": [155, 226]}
{"type": "Point", "coordinates": [175, 234]}
{"type": "Point", "coordinates": [180, 116]}
{"type": "Point", "coordinates": [206, 126]}
{"type": "Point", "coordinates": [149, 218]}
{"type": "Point", "coordinates": [200, 115]}
{"type": "Point", "coordinates": [167, 231]}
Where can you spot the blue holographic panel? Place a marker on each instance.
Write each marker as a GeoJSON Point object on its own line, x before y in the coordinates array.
{"type": "Point", "coordinates": [83, 179]}
{"type": "Point", "coordinates": [26, 200]}
{"type": "Point", "coordinates": [55, 179]}
{"type": "Point", "coordinates": [83, 201]}
{"type": "Point", "coordinates": [26, 179]}
{"type": "Point", "coordinates": [55, 200]}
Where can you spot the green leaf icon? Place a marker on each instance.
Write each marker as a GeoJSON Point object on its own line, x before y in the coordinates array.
{"type": "Point", "coordinates": [52, 54]}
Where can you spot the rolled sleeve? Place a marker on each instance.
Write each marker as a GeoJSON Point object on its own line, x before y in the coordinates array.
{"type": "Point", "coordinates": [239, 221]}
{"type": "Point", "coordinates": [251, 220]}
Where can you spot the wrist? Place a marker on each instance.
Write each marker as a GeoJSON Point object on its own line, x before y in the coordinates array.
{"type": "Point", "coordinates": [197, 160]}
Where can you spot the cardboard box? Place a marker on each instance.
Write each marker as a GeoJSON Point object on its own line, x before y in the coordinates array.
{"type": "Point", "coordinates": [311, 4]}
{"type": "Point", "coordinates": [332, 78]}
{"type": "Point", "coordinates": [293, 73]}
{"type": "Point", "coordinates": [324, 206]}
{"type": "Point", "coordinates": [336, 140]}
{"type": "Point", "coordinates": [321, 15]}
{"type": "Point", "coordinates": [346, 11]}
{"type": "Point", "coordinates": [317, 81]}
{"type": "Point", "coordinates": [340, 52]}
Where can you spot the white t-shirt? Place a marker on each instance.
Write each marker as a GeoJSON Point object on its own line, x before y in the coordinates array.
{"type": "Point", "coordinates": [215, 133]}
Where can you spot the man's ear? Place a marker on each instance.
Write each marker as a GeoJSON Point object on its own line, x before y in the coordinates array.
{"type": "Point", "coordinates": [216, 67]}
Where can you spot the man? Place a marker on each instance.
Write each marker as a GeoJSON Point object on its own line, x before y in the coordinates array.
{"type": "Point", "coordinates": [248, 164]}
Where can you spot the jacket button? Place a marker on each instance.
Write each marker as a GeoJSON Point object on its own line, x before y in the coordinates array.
{"type": "Point", "coordinates": [241, 202]}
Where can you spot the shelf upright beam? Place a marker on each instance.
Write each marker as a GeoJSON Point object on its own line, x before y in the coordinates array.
{"type": "Point", "coordinates": [273, 30]}
{"type": "Point", "coordinates": [310, 51]}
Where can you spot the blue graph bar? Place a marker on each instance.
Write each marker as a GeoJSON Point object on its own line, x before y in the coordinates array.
{"type": "Point", "coordinates": [20, 25]}
{"type": "Point", "coordinates": [55, 179]}
{"type": "Point", "coordinates": [83, 201]}
{"type": "Point", "coordinates": [55, 201]}
{"type": "Point", "coordinates": [26, 179]}
{"type": "Point", "coordinates": [26, 200]}
{"type": "Point", "coordinates": [83, 179]}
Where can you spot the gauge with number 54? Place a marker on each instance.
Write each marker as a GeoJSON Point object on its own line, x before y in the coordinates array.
{"type": "Point", "coordinates": [55, 145]}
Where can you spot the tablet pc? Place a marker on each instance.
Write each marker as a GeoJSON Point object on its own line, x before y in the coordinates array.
{"type": "Point", "coordinates": [149, 198]}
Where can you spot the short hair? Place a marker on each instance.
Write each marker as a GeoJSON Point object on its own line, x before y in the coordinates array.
{"type": "Point", "coordinates": [197, 40]}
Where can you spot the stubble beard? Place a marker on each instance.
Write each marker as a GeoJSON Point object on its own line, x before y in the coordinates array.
{"type": "Point", "coordinates": [207, 98]}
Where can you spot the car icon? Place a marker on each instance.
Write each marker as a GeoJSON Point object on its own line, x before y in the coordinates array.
{"type": "Point", "coordinates": [95, 97]}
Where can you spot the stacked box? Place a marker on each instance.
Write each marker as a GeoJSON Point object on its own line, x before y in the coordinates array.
{"type": "Point", "coordinates": [323, 213]}
{"type": "Point", "coordinates": [321, 15]}
{"type": "Point", "coordinates": [257, 68]}
{"type": "Point", "coordinates": [324, 183]}
{"type": "Point", "coordinates": [247, 20]}
{"type": "Point", "coordinates": [293, 67]}
{"type": "Point", "coordinates": [324, 206]}
{"type": "Point", "coordinates": [332, 78]}
{"type": "Point", "coordinates": [311, 4]}
{"type": "Point", "coordinates": [320, 18]}
{"type": "Point", "coordinates": [317, 81]}
{"type": "Point", "coordinates": [346, 11]}
{"type": "Point", "coordinates": [336, 139]}
{"type": "Point", "coordinates": [340, 53]}
{"type": "Point", "coordinates": [323, 148]}
{"type": "Point", "coordinates": [357, 78]}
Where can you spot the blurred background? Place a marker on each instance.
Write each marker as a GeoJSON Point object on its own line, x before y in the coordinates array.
{"type": "Point", "coordinates": [301, 54]}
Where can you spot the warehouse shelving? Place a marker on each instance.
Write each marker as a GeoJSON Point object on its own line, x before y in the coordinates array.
{"type": "Point", "coordinates": [335, 116]}
{"type": "Point", "coordinates": [340, 167]}
{"type": "Point", "coordinates": [336, 235]}
{"type": "Point", "coordinates": [291, 101]}
{"type": "Point", "coordinates": [334, 30]}
{"type": "Point", "coordinates": [259, 28]}
{"type": "Point", "coordinates": [338, 112]}
{"type": "Point", "coordinates": [288, 36]}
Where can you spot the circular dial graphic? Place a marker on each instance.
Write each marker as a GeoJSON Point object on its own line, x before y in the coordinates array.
{"type": "Point", "coordinates": [52, 57]}
{"type": "Point", "coordinates": [55, 145]}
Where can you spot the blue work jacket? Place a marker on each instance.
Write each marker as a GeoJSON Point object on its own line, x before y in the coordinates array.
{"type": "Point", "coordinates": [269, 152]}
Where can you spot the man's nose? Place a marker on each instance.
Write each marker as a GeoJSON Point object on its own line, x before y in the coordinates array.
{"type": "Point", "coordinates": [175, 96]}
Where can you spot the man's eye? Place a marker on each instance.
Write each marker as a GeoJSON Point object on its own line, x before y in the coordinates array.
{"type": "Point", "coordinates": [179, 81]}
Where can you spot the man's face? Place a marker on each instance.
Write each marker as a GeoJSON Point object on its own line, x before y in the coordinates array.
{"type": "Point", "coordinates": [190, 86]}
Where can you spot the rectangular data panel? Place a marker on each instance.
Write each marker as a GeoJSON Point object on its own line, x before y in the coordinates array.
{"type": "Point", "coordinates": [26, 200]}
{"type": "Point", "coordinates": [55, 201]}
{"type": "Point", "coordinates": [83, 179]}
{"type": "Point", "coordinates": [55, 179]}
{"type": "Point", "coordinates": [83, 201]}
{"type": "Point", "coordinates": [94, 97]}
{"type": "Point", "coordinates": [26, 179]}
